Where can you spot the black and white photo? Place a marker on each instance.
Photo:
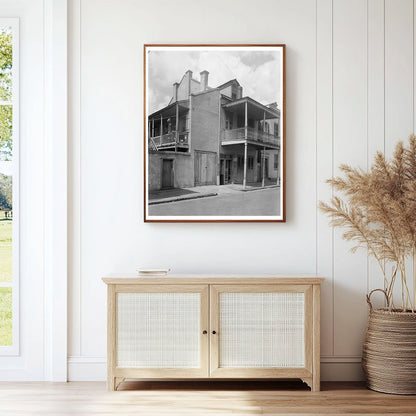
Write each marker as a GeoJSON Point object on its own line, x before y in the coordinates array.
{"type": "Point", "coordinates": [214, 133]}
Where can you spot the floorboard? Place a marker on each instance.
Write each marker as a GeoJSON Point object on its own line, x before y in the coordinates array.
{"type": "Point", "coordinates": [197, 398]}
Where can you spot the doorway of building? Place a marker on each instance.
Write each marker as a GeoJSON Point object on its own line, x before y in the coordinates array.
{"type": "Point", "coordinates": [205, 165]}
{"type": "Point", "coordinates": [227, 174]}
{"type": "Point", "coordinates": [222, 172]}
{"type": "Point", "coordinates": [225, 171]}
{"type": "Point", "coordinates": [167, 173]}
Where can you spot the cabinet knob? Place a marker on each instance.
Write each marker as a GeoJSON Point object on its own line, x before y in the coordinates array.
{"type": "Point", "coordinates": [214, 332]}
{"type": "Point", "coordinates": [205, 332]}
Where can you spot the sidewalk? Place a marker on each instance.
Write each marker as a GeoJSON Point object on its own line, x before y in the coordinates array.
{"type": "Point", "coordinates": [182, 194]}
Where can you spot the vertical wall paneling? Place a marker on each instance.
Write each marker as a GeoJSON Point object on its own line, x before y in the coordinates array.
{"type": "Point", "coordinates": [399, 83]}
{"type": "Point", "coordinates": [74, 184]}
{"type": "Point", "coordinates": [350, 146]}
{"type": "Point", "coordinates": [375, 110]}
{"type": "Point", "coordinates": [56, 180]}
{"type": "Point", "coordinates": [399, 71]}
{"type": "Point", "coordinates": [414, 126]}
{"type": "Point", "coordinates": [324, 148]}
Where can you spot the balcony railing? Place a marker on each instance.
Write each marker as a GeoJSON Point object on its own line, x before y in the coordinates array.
{"type": "Point", "coordinates": [171, 139]}
{"type": "Point", "coordinates": [252, 134]}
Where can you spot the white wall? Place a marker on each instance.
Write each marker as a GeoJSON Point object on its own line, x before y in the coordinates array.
{"type": "Point", "coordinates": [350, 91]}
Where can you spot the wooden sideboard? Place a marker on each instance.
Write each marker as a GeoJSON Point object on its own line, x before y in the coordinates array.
{"type": "Point", "coordinates": [213, 326]}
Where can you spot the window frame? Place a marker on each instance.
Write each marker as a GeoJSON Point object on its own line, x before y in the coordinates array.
{"type": "Point", "coordinates": [14, 349]}
{"type": "Point", "coordinates": [250, 162]}
{"type": "Point", "coordinates": [276, 161]}
{"type": "Point", "coordinates": [276, 129]}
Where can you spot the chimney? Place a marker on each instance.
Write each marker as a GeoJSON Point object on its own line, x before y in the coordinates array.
{"type": "Point", "coordinates": [188, 73]}
{"type": "Point", "coordinates": [239, 92]}
{"type": "Point", "coordinates": [175, 92]}
{"type": "Point", "coordinates": [204, 80]}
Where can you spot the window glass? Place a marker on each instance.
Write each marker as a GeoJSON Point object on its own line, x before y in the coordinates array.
{"type": "Point", "coordinates": [7, 108]}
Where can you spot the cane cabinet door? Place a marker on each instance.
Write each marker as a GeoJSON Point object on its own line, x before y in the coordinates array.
{"type": "Point", "coordinates": [261, 331]}
{"type": "Point", "coordinates": [160, 331]}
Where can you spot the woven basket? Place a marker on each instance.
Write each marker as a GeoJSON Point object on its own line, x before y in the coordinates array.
{"type": "Point", "coordinates": [389, 352]}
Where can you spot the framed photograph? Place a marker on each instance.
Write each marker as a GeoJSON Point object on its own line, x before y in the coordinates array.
{"type": "Point", "coordinates": [214, 133]}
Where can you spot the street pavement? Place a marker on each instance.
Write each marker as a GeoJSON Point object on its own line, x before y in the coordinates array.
{"type": "Point", "coordinates": [233, 202]}
{"type": "Point", "coordinates": [179, 194]}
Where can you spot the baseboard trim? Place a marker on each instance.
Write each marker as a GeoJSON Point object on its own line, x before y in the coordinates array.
{"type": "Point", "coordinates": [333, 368]}
{"type": "Point", "coordinates": [87, 368]}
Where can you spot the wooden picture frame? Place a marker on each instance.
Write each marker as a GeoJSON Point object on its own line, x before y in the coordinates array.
{"type": "Point", "coordinates": [214, 145]}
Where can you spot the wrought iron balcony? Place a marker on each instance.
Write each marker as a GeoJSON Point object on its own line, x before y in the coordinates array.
{"type": "Point", "coordinates": [253, 135]}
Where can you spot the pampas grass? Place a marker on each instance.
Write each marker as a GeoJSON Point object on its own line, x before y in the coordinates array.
{"type": "Point", "coordinates": [378, 213]}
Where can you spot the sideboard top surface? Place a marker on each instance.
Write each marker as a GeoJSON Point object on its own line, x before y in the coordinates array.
{"type": "Point", "coordinates": [135, 279]}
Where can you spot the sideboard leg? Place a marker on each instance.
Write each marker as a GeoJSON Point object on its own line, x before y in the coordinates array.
{"type": "Point", "coordinates": [111, 383]}
{"type": "Point", "coordinates": [117, 382]}
{"type": "Point", "coordinates": [316, 374]}
{"type": "Point", "coordinates": [114, 382]}
{"type": "Point", "coordinates": [316, 383]}
{"type": "Point", "coordinates": [308, 381]}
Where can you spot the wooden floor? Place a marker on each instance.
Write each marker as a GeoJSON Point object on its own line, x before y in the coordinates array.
{"type": "Point", "coordinates": [198, 398]}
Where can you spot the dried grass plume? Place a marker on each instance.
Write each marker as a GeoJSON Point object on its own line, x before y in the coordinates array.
{"type": "Point", "coordinates": [379, 213]}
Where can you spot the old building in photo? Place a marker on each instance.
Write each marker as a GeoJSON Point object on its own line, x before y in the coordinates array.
{"type": "Point", "coordinates": [212, 136]}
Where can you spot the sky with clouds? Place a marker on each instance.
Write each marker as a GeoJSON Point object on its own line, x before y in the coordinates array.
{"type": "Point", "coordinates": [258, 72]}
